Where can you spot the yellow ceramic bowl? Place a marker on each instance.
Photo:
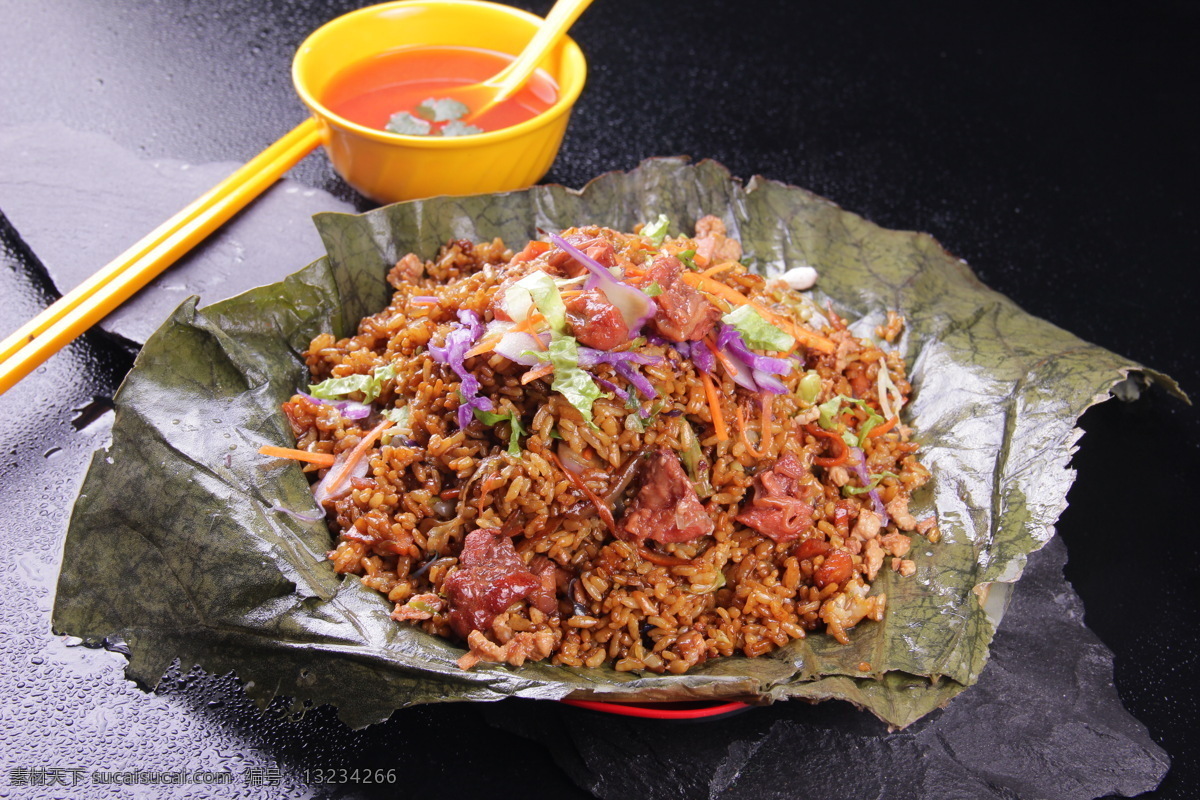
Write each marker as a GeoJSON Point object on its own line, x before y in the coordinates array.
{"type": "Point", "coordinates": [389, 167]}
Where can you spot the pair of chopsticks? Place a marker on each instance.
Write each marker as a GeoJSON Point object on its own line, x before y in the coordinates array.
{"type": "Point", "coordinates": [85, 305]}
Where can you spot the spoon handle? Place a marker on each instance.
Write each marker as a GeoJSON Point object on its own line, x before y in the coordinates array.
{"type": "Point", "coordinates": [557, 22]}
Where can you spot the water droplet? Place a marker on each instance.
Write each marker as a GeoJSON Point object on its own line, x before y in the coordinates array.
{"type": "Point", "coordinates": [91, 412]}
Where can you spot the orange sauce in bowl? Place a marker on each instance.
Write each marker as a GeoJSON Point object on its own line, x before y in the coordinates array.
{"type": "Point", "coordinates": [370, 92]}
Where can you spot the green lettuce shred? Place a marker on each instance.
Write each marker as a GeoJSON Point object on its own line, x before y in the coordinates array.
{"type": "Point", "coordinates": [656, 231]}
{"type": "Point", "coordinates": [570, 380]}
{"type": "Point", "coordinates": [369, 385]}
{"type": "Point", "coordinates": [875, 479]}
{"type": "Point", "coordinates": [514, 427]}
{"type": "Point", "coordinates": [757, 333]}
{"type": "Point", "coordinates": [540, 290]}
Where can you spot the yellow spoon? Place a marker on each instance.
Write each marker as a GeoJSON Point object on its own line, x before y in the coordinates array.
{"type": "Point", "coordinates": [479, 97]}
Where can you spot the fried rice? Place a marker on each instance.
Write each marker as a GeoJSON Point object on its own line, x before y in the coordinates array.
{"type": "Point", "coordinates": [612, 448]}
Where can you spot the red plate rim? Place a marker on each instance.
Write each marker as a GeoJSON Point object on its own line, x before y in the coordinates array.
{"type": "Point", "coordinates": [657, 712]}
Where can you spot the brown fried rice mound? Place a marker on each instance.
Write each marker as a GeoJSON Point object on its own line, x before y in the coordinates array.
{"type": "Point", "coordinates": [706, 509]}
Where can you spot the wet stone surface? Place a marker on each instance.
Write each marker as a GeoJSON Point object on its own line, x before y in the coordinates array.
{"type": "Point", "coordinates": [54, 178]}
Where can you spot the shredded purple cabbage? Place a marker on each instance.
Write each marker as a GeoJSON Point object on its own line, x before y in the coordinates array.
{"type": "Point", "coordinates": [864, 477]}
{"type": "Point", "coordinates": [612, 387]}
{"type": "Point", "coordinates": [702, 357]}
{"type": "Point", "coordinates": [350, 409]}
{"type": "Point", "coordinates": [623, 362]}
{"type": "Point", "coordinates": [639, 381]}
{"type": "Point", "coordinates": [636, 307]}
{"type": "Point", "coordinates": [731, 340]}
{"type": "Point", "coordinates": [590, 357]}
{"type": "Point", "coordinates": [754, 371]}
{"type": "Point", "coordinates": [768, 382]}
{"type": "Point", "coordinates": [459, 340]}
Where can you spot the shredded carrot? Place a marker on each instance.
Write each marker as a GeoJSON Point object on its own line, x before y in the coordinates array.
{"type": "Point", "coordinates": [741, 421]}
{"type": "Point", "coordinates": [843, 451]}
{"type": "Point", "coordinates": [882, 429]}
{"type": "Point", "coordinates": [532, 250]}
{"type": "Point", "coordinates": [565, 293]}
{"type": "Point", "coordinates": [603, 510]}
{"type": "Point", "coordinates": [720, 356]}
{"type": "Point", "coordinates": [529, 322]}
{"type": "Point", "coordinates": [320, 459]}
{"type": "Point", "coordinates": [802, 335]}
{"type": "Point", "coordinates": [714, 407]}
{"type": "Point", "coordinates": [486, 346]}
{"type": "Point", "coordinates": [724, 265]}
{"type": "Point", "coordinates": [536, 372]}
{"type": "Point", "coordinates": [357, 454]}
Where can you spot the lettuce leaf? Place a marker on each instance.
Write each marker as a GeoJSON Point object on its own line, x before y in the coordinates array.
{"type": "Point", "coordinates": [369, 385]}
{"type": "Point", "coordinates": [757, 332]}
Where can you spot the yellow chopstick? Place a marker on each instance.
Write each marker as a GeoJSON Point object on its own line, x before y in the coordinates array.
{"type": "Point", "coordinates": [81, 308]}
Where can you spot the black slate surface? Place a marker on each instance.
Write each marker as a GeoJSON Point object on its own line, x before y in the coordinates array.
{"type": "Point", "coordinates": [1052, 147]}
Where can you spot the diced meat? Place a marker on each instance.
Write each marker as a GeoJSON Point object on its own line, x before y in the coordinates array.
{"type": "Point", "coordinates": [838, 476]}
{"type": "Point", "coordinates": [691, 649]}
{"type": "Point", "coordinates": [928, 527]}
{"type": "Point", "coordinates": [873, 559]}
{"type": "Point", "coordinates": [595, 321]}
{"type": "Point", "coordinates": [419, 607]}
{"type": "Point", "coordinates": [846, 609]}
{"type": "Point", "coordinates": [490, 577]}
{"type": "Point", "coordinates": [868, 526]}
{"type": "Point", "coordinates": [516, 651]}
{"type": "Point", "coordinates": [837, 568]}
{"type": "Point", "coordinates": [897, 544]}
{"type": "Point", "coordinates": [666, 508]}
{"type": "Point", "coordinates": [712, 245]}
{"type": "Point", "coordinates": [407, 271]}
{"type": "Point", "coordinates": [782, 505]}
{"type": "Point", "coordinates": [898, 509]}
{"type": "Point", "coordinates": [684, 314]}
{"type": "Point", "coordinates": [596, 247]}
{"type": "Point", "coordinates": [545, 597]}
{"type": "Point", "coordinates": [811, 548]}
{"type": "Point", "coordinates": [709, 225]}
